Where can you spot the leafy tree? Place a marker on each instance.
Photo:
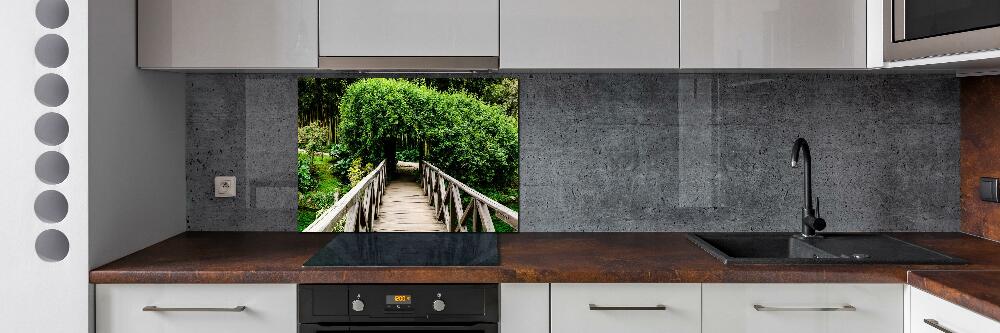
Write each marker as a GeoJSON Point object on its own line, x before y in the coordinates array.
{"type": "Point", "coordinates": [306, 174]}
{"type": "Point", "coordinates": [471, 140]}
{"type": "Point", "coordinates": [313, 138]}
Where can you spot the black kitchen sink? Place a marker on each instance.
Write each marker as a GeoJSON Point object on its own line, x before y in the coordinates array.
{"type": "Point", "coordinates": [837, 248]}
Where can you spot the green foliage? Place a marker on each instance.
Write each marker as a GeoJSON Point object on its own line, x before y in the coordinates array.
{"type": "Point", "coordinates": [306, 173]}
{"type": "Point", "coordinates": [318, 200]}
{"type": "Point", "coordinates": [501, 226]}
{"type": "Point", "coordinates": [339, 151]}
{"type": "Point", "coordinates": [506, 196]}
{"type": "Point", "coordinates": [496, 91]}
{"type": "Point", "coordinates": [471, 140]}
{"type": "Point", "coordinates": [305, 217]}
{"type": "Point", "coordinates": [358, 171]}
{"type": "Point", "coordinates": [341, 168]}
{"type": "Point", "coordinates": [314, 138]}
{"type": "Point", "coordinates": [504, 94]}
{"type": "Point", "coordinates": [468, 127]}
{"type": "Point", "coordinates": [408, 154]}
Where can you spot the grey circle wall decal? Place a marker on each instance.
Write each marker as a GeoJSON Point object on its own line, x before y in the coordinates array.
{"type": "Point", "coordinates": [51, 90]}
{"type": "Point", "coordinates": [51, 206]}
{"type": "Point", "coordinates": [52, 245]}
{"type": "Point", "coordinates": [52, 13]}
{"type": "Point", "coordinates": [51, 129]}
{"type": "Point", "coordinates": [51, 51]}
{"type": "Point", "coordinates": [52, 167]}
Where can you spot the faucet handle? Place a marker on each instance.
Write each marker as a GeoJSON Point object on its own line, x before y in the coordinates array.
{"type": "Point", "coordinates": [817, 206]}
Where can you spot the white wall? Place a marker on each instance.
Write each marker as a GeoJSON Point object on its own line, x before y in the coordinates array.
{"type": "Point", "coordinates": [137, 187]}
{"type": "Point", "coordinates": [38, 295]}
{"type": "Point", "coordinates": [125, 150]}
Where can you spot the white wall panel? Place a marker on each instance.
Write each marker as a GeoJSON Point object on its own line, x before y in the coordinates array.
{"type": "Point", "coordinates": [38, 295]}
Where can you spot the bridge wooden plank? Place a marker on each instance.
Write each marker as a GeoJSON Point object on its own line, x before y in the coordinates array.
{"type": "Point", "coordinates": [405, 208]}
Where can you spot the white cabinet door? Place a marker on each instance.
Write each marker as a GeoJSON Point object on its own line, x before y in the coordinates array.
{"type": "Point", "coordinates": [626, 307]}
{"type": "Point", "coordinates": [524, 308]}
{"type": "Point", "coordinates": [269, 308]}
{"type": "Point", "coordinates": [589, 34]}
{"type": "Point", "coordinates": [409, 28]}
{"type": "Point", "coordinates": [773, 34]}
{"type": "Point", "coordinates": [778, 308]}
{"type": "Point", "coordinates": [927, 310]}
{"type": "Point", "coordinates": [227, 33]}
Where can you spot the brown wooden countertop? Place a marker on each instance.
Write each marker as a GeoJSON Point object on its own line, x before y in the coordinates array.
{"type": "Point", "coordinates": [978, 291]}
{"type": "Point", "coordinates": [277, 257]}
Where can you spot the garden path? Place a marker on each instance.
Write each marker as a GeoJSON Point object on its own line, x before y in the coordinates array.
{"type": "Point", "coordinates": [405, 207]}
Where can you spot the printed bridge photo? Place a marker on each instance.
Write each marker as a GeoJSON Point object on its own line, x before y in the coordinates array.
{"type": "Point", "coordinates": [408, 155]}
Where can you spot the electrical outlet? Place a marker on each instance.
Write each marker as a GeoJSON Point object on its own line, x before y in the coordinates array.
{"type": "Point", "coordinates": [225, 187]}
{"type": "Point", "coordinates": [988, 189]}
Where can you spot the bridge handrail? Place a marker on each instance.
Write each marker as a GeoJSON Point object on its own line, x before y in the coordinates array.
{"type": "Point", "coordinates": [360, 205]}
{"type": "Point", "coordinates": [444, 192]}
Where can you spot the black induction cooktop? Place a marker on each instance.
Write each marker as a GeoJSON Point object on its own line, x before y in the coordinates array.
{"type": "Point", "coordinates": [408, 249]}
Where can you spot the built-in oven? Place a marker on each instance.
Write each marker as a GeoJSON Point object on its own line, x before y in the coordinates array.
{"type": "Point", "coordinates": [928, 28]}
{"type": "Point", "coordinates": [385, 308]}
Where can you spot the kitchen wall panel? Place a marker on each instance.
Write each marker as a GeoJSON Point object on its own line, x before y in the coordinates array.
{"type": "Point", "coordinates": [642, 152]}
{"type": "Point", "coordinates": [980, 148]}
{"type": "Point", "coordinates": [243, 126]}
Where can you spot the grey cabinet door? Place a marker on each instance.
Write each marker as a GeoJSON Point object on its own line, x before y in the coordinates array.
{"type": "Point", "coordinates": [774, 34]}
{"type": "Point", "coordinates": [407, 28]}
{"type": "Point", "coordinates": [228, 33]}
{"type": "Point", "coordinates": [589, 34]}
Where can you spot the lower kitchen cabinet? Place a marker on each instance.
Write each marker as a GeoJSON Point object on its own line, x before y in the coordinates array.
{"type": "Point", "coordinates": [816, 308]}
{"type": "Point", "coordinates": [626, 307]}
{"type": "Point", "coordinates": [930, 314]}
{"type": "Point", "coordinates": [524, 307]}
{"type": "Point", "coordinates": [196, 308]}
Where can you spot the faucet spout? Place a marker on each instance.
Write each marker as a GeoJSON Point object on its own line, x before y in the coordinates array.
{"type": "Point", "coordinates": [810, 222]}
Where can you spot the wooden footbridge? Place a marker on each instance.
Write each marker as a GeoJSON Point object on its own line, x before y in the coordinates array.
{"type": "Point", "coordinates": [432, 201]}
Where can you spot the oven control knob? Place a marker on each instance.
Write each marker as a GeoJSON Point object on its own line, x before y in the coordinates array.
{"type": "Point", "coordinates": [438, 305]}
{"type": "Point", "coordinates": [358, 305]}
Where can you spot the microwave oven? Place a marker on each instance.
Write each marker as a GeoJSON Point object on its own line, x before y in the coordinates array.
{"type": "Point", "coordinates": [915, 29]}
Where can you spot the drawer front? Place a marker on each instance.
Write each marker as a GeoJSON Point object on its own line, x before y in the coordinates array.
{"type": "Point", "coordinates": [946, 315]}
{"type": "Point", "coordinates": [269, 308]}
{"type": "Point", "coordinates": [775, 308]}
{"type": "Point", "coordinates": [524, 307]}
{"type": "Point", "coordinates": [571, 310]}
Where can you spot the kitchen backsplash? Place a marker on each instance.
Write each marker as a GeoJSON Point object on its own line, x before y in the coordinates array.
{"type": "Point", "coordinates": [640, 152]}
{"type": "Point", "coordinates": [980, 147]}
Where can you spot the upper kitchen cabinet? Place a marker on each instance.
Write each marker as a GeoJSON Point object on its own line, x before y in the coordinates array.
{"type": "Point", "coordinates": [196, 34]}
{"type": "Point", "coordinates": [589, 34]}
{"type": "Point", "coordinates": [780, 34]}
{"type": "Point", "coordinates": [409, 34]}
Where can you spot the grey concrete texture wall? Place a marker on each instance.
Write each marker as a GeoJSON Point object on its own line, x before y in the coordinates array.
{"type": "Point", "coordinates": [244, 126]}
{"type": "Point", "coordinates": [642, 152]}
{"type": "Point", "coordinates": [713, 152]}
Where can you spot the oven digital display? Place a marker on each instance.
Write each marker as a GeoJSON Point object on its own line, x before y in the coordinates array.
{"type": "Point", "coordinates": [398, 299]}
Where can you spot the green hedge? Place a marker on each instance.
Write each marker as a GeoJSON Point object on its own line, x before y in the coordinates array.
{"type": "Point", "coordinates": [473, 141]}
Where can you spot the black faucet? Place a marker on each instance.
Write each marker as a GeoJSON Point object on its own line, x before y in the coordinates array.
{"type": "Point", "coordinates": [810, 221]}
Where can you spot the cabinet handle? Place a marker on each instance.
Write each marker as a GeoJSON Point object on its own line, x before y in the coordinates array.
{"type": "Point", "coordinates": [848, 307]}
{"type": "Point", "coordinates": [660, 307]}
{"type": "Point", "coordinates": [935, 324]}
{"type": "Point", "coordinates": [154, 308]}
